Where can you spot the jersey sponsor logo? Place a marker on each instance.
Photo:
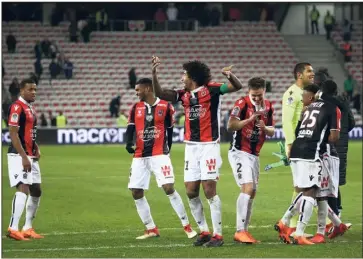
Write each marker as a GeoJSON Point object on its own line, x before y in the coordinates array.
{"type": "Point", "coordinates": [196, 112]}
{"type": "Point", "coordinates": [149, 117]}
{"type": "Point", "coordinates": [235, 111]}
{"type": "Point", "coordinates": [14, 118]}
{"type": "Point", "coordinates": [325, 182]}
{"type": "Point", "coordinates": [149, 134]}
{"type": "Point", "coordinates": [211, 164]}
{"type": "Point", "coordinates": [305, 133]}
{"type": "Point", "coordinates": [166, 171]}
{"type": "Point", "coordinates": [16, 107]}
{"type": "Point", "coordinates": [253, 135]}
{"type": "Point", "coordinates": [33, 133]}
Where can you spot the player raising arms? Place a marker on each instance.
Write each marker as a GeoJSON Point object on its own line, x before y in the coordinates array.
{"type": "Point", "coordinates": [251, 120]}
{"type": "Point", "coordinates": [23, 166]}
{"type": "Point", "coordinates": [291, 111]}
{"type": "Point", "coordinates": [320, 125]}
{"type": "Point", "coordinates": [152, 120]}
{"type": "Point", "coordinates": [201, 102]}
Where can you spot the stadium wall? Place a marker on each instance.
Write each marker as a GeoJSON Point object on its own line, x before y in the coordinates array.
{"type": "Point", "coordinates": [117, 135]}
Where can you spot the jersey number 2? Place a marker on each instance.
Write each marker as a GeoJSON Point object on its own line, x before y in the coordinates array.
{"type": "Point", "coordinates": [309, 116]}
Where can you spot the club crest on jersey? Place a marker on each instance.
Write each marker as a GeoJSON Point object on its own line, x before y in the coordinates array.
{"type": "Point", "coordinates": [160, 113]}
{"type": "Point", "coordinates": [203, 93]}
{"type": "Point", "coordinates": [14, 118]}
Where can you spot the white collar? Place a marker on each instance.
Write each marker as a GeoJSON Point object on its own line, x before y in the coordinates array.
{"type": "Point", "coordinates": [197, 89]}
{"type": "Point", "coordinates": [23, 101]}
{"type": "Point", "coordinates": [155, 103]}
{"type": "Point", "coordinates": [262, 107]}
{"type": "Point", "coordinates": [149, 106]}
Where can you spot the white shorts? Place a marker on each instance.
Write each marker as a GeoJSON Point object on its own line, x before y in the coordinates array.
{"type": "Point", "coordinates": [306, 174]}
{"type": "Point", "coordinates": [245, 167]}
{"type": "Point", "coordinates": [330, 177]}
{"type": "Point", "coordinates": [17, 174]}
{"type": "Point", "coordinates": [142, 167]}
{"type": "Point", "coordinates": [202, 162]}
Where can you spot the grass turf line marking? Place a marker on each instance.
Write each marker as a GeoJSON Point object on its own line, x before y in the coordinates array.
{"type": "Point", "coordinates": [144, 246]}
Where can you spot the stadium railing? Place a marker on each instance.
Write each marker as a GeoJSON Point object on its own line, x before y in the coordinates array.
{"type": "Point", "coordinates": [147, 25]}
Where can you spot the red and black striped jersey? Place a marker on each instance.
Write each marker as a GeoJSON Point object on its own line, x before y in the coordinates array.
{"type": "Point", "coordinates": [202, 113]}
{"type": "Point", "coordinates": [319, 119]}
{"type": "Point", "coordinates": [250, 139]}
{"type": "Point", "coordinates": [22, 115]}
{"type": "Point", "coordinates": [151, 122]}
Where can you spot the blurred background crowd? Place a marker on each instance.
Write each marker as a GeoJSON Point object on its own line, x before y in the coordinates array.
{"type": "Point", "coordinates": [87, 57]}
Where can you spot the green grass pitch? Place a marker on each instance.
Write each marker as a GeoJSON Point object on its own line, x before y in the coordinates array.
{"type": "Point", "coordinates": [87, 211]}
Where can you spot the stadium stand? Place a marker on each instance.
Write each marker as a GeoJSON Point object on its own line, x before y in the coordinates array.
{"type": "Point", "coordinates": [101, 66]}
{"type": "Point", "coordinates": [355, 68]}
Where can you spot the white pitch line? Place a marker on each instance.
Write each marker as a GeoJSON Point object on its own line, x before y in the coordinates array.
{"type": "Point", "coordinates": [143, 246]}
{"type": "Point", "coordinates": [135, 230]}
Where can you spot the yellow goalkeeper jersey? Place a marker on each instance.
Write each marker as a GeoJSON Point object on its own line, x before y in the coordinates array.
{"type": "Point", "coordinates": [291, 111]}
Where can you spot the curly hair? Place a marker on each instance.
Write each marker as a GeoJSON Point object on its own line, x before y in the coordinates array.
{"type": "Point", "coordinates": [198, 72]}
{"type": "Point", "coordinates": [256, 83]}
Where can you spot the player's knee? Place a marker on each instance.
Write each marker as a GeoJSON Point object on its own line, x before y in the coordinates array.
{"type": "Point", "coordinates": [298, 190]}
{"type": "Point", "coordinates": [192, 194]}
{"type": "Point", "coordinates": [248, 188]}
{"type": "Point", "coordinates": [192, 189]}
{"type": "Point", "coordinates": [253, 194]}
{"type": "Point", "coordinates": [137, 193]}
{"type": "Point", "coordinates": [168, 189]}
{"type": "Point", "coordinates": [24, 188]}
{"type": "Point", "coordinates": [35, 190]}
{"type": "Point", "coordinates": [210, 192]}
{"type": "Point", "coordinates": [311, 192]}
